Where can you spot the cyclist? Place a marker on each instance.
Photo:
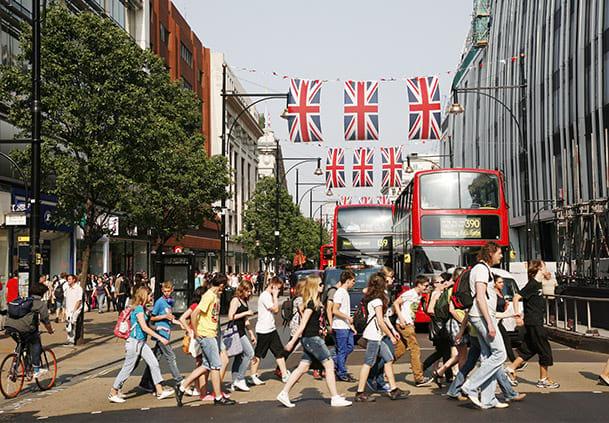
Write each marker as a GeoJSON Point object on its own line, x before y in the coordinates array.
{"type": "Point", "coordinates": [27, 326]}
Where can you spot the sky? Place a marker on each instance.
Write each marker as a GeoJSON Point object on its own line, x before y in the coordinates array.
{"type": "Point", "coordinates": [336, 40]}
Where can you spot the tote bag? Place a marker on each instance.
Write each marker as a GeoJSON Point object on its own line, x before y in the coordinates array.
{"type": "Point", "coordinates": [232, 340]}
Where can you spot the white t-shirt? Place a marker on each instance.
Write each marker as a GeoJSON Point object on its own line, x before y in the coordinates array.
{"type": "Point", "coordinates": [266, 319]}
{"type": "Point", "coordinates": [480, 273]}
{"type": "Point", "coordinates": [342, 297]}
{"type": "Point", "coordinates": [373, 330]}
{"type": "Point", "coordinates": [73, 294]}
{"type": "Point", "coordinates": [410, 305]}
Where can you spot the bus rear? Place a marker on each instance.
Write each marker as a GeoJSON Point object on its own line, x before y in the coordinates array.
{"type": "Point", "coordinates": [363, 235]}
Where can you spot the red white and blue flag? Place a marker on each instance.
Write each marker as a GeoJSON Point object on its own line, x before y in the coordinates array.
{"type": "Point", "coordinates": [425, 114]}
{"type": "Point", "coordinates": [383, 200]}
{"type": "Point", "coordinates": [365, 200]}
{"type": "Point", "coordinates": [361, 110]}
{"type": "Point", "coordinates": [363, 168]}
{"type": "Point", "coordinates": [345, 200]}
{"type": "Point", "coordinates": [303, 111]}
{"type": "Point", "coordinates": [335, 168]}
{"type": "Point", "coordinates": [391, 166]}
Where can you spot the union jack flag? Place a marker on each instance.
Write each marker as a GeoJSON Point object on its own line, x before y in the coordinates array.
{"type": "Point", "coordinates": [383, 199]}
{"type": "Point", "coordinates": [361, 110]}
{"type": "Point", "coordinates": [346, 200]}
{"type": "Point", "coordinates": [365, 200]}
{"type": "Point", "coordinates": [304, 121]}
{"type": "Point", "coordinates": [391, 166]}
{"type": "Point", "coordinates": [335, 168]}
{"type": "Point", "coordinates": [425, 113]}
{"type": "Point", "coordinates": [363, 159]}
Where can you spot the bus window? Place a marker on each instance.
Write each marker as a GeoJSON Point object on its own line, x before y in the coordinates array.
{"type": "Point", "coordinates": [479, 190]}
{"type": "Point", "coordinates": [440, 191]}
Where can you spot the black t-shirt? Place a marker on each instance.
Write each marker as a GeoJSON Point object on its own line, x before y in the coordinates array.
{"type": "Point", "coordinates": [241, 322]}
{"type": "Point", "coordinates": [500, 304]}
{"type": "Point", "coordinates": [534, 306]}
{"type": "Point", "coordinates": [314, 326]}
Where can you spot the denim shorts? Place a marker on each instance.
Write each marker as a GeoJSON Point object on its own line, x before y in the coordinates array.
{"type": "Point", "coordinates": [211, 353]}
{"type": "Point", "coordinates": [376, 348]}
{"type": "Point", "coordinates": [314, 347]}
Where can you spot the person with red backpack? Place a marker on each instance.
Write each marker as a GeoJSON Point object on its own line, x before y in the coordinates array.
{"type": "Point", "coordinates": [482, 317]}
{"type": "Point", "coordinates": [136, 346]}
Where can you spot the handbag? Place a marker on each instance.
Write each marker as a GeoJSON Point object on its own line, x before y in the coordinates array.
{"type": "Point", "coordinates": [186, 344]}
{"type": "Point", "coordinates": [232, 340]}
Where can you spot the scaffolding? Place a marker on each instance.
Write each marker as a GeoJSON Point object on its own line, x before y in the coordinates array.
{"type": "Point", "coordinates": [582, 232]}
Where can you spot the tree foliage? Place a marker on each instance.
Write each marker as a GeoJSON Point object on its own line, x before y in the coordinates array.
{"type": "Point", "coordinates": [296, 231]}
{"type": "Point", "coordinates": [118, 136]}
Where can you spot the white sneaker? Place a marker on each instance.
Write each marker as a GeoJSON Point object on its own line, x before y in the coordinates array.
{"type": "Point", "coordinates": [502, 405]}
{"type": "Point", "coordinates": [40, 372]}
{"type": "Point", "coordinates": [165, 394]}
{"type": "Point", "coordinates": [115, 398]}
{"type": "Point", "coordinates": [284, 378]}
{"type": "Point", "coordinates": [256, 380]}
{"type": "Point", "coordinates": [241, 385]}
{"type": "Point", "coordinates": [338, 401]}
{"type": "Point", "coordinates": [192, 392]}
{"type": "Point", "coordinates": [284, 398]}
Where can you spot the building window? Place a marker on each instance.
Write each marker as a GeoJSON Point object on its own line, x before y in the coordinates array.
{"type": "Point", "coordinates": [199, 76]}
{"type": "Point", "coordinates": [116, 10]}
{"type": "Point", "coordinates": [186, 54]}
{"type": "Point", "coordinates": [9, 49]}
{"type": "Point", "coordinates": [163, 34]}
{"type": "Point", "coordinates": [186, 84]}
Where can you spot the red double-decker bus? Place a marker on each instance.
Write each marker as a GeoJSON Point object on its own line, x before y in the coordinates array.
{"type": "Point", "coordinates": [326, 256]}
{"type": "Point", "coordinates": [443, 217]}
{"type": "Point", "coordinates": [363, 235]}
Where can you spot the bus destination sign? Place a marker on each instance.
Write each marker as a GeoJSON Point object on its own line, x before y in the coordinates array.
{"type": "Point", "coordinates": [457, 227]}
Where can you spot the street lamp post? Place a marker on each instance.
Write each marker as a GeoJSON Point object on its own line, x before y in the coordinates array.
{"type": "Point", "coordinates": [457, 108]}
{"type": "Point", "coordinates": [264, 97]}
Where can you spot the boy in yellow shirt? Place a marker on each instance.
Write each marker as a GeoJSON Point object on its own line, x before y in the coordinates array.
{"type": "Point", "coordinates": [205, 320]}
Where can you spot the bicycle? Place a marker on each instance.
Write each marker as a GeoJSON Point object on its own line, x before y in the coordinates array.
{"type": "Point", "coordinates": [17, 367]}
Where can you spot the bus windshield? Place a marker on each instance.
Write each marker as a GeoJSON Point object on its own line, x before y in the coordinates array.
{"type": "Point", "coordinates": [364, 219]}
{"type": "Point", "coordinates": [462, 190]}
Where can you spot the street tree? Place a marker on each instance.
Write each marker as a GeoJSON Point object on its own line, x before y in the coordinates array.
{"type": "Point", "coordinates": [296, 232]}
{"type": "Point", "coordinates": [109, 110]}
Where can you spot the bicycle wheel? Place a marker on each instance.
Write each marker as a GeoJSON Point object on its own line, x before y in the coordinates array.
{"type": "Point", "coordinates": [12, 374]}
{"type": "Point", "coordinates": [49, 363]}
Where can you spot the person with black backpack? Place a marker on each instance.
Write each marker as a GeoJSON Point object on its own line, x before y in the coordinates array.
{"type": "Point", "coordinates": [376, 329]}
{"type": "Point", "coordinates": [482, 317]}
{"type": "Point", "coordinates": [59, 297]}
{"type": "Point", "coordinates": [24, 316]}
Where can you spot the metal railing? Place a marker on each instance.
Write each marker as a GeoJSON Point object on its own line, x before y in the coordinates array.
{"type": "Point", "coordinates": [569, 311]}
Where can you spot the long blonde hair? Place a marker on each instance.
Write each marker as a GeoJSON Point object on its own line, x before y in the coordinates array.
{"type": "Point", "coordinates": [141, 296]}
{"type": "Point", "coordinates": [309, 292]}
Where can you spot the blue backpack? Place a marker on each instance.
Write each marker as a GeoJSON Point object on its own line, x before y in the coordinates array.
{"type": "Point", "coordinates": [20, 307]}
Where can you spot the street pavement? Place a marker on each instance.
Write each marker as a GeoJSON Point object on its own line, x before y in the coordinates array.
{"type": "Point", "coordinates": [86, 373]}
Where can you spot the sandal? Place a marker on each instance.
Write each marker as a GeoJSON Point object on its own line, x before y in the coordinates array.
{"type": "Point", "coordinates": [438, 379]}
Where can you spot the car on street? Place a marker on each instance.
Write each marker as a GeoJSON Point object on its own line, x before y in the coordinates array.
{"type": "Point", "coordinates": [331, 277]}
{"type": "Point", "coordinates": [296, 276]}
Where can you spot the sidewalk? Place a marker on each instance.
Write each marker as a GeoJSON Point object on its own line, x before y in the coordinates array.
{"type": "Point", "coordinates": [100, 349]}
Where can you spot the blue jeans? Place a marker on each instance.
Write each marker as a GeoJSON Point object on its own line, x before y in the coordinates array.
{"type": "Point", "coordinates": [492, 352]}
{"type": "Point", "coordinates": [242, 361]}
{"type": "Point", "coordinates": [314, 347]}
{"type": "Point", "coordinates": [211, 353]}
{"type": "Point", "coordinates": [100, 301]}
{"type": "Point", "coordinates": [344, 347]}
{"type": "Point", "coordinates": [133, 350]}
{"type": "Point", "coordinates": [472, 357]}
{"type": "Point", "coordinates": [166, 351]}
{"type": "Point", "coordinates": [376, 376]}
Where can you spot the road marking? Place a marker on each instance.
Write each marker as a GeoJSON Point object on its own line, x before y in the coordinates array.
{"type": "Point", "coordinates": [597, 392]}
{"type": "Point", "coordinates": [196, 404]}
{"type": "Point", "coordinates": [43, 417]}
{"type": "Point", "coordinates": [145, 408]}
{"type": "Point", "coordinates": [96, 412]}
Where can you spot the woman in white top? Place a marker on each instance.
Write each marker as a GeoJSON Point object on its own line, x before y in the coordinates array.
{"type": "Point", "coordinates": [376, 327]}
